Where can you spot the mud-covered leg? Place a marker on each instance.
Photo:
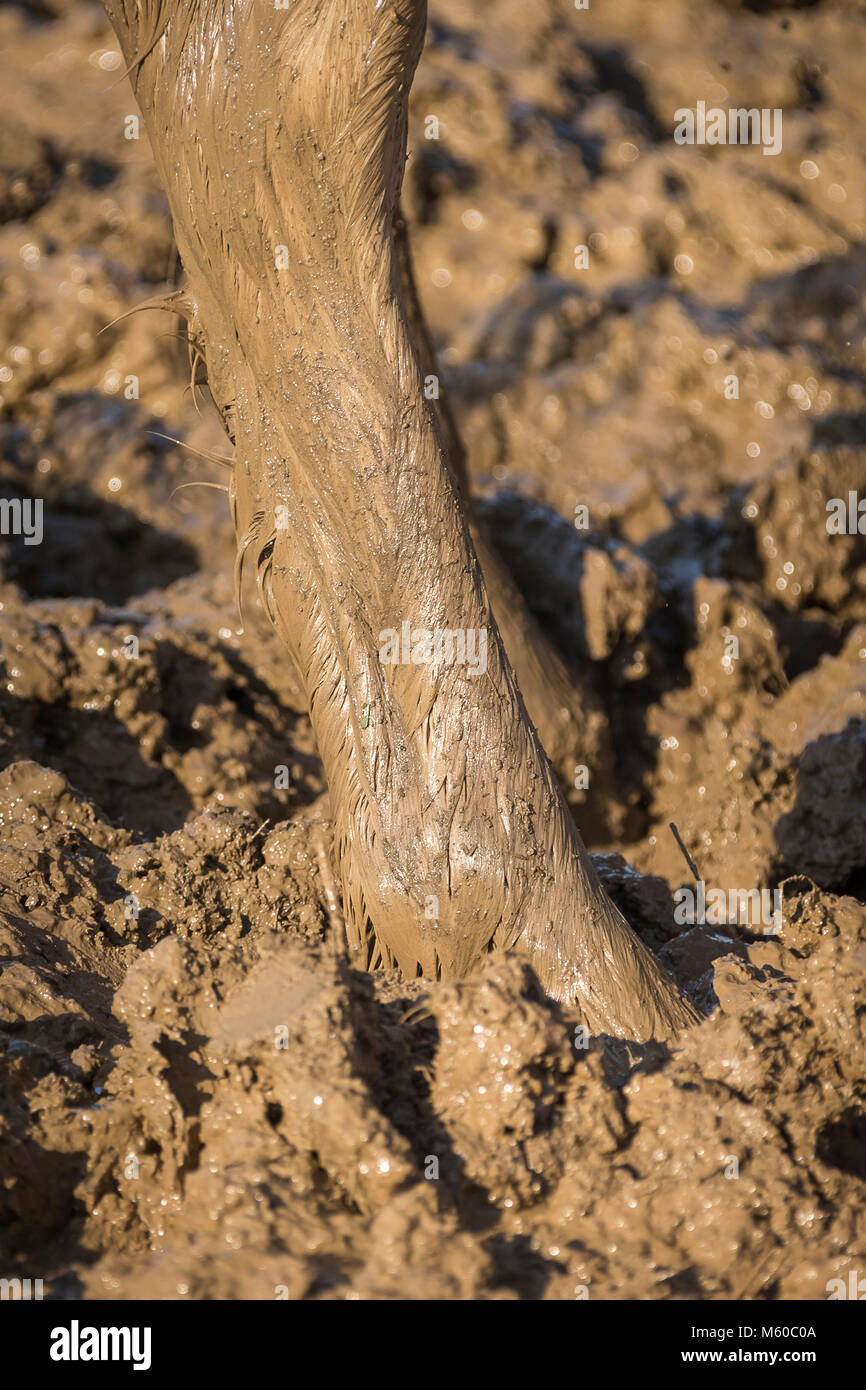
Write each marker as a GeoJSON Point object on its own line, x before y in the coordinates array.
{"type": "Point", "coordinates": [280, 139]}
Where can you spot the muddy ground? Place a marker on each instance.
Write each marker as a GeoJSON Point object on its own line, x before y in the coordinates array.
{"type": "Point", "coordinates": [201, 1097]}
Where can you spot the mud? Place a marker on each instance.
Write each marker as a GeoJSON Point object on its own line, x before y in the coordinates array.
{"type": "Point", "coordinates": [203, 1096]}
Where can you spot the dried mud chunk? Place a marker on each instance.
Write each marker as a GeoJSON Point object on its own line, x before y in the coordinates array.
{"type": "Point", "coordinates": [289, 1049]}
{"type": "Point", "coordinates": [736, 658]}
{"type": "Point", "coordinates": [72, 699]}
{"type": "Point", "coordinates": [617, 592]}
{"type": "Point", "coordinates": [29, 993]}
{"type": "Point", "coordinates": [728, 821]}
{"type": "Point", "coordinates": [42, 1136]}
{"type": "Point", "coordinates": [691, 957]}
{"type": "Point", "coordinates": [595, 592]}
{"type": "Point", "coordinates": [810, 917]}
{"type": "Point", "coordinates": [730, 1136]}
{"type": "Point", "coordinates": [177, 718]}
{"type": "Point", "coordinates": [786, 542]}
{"type": "Point", "coordinates": [501, 1068]}
{"type": "Point", "coordinates": [217, 875]}
{"type": "Point", "coordinates": [56, 867]}
{"type": "Point", "coordinates": [820, 701]}
{"type": "Point", "coordinates": [824, 835]}
{"type": "Point", "coordinates": [144, 1139]}
{"type": "Point", "coordinates": [36, 1185]}
{"type": "Point", "coordinates": [35, 660]}
{"type": "Point", "coordinates": [168, 990]}
{"type": "Point", "coordinates": [740, 983]}
{"type": "Point", "coordinates": [38, 797]}
{"type": "Point", "coordinates": [416, 1253]}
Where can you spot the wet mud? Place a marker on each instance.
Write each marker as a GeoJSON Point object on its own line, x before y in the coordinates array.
{"type": "Point", "coordinates": [203, 1096]}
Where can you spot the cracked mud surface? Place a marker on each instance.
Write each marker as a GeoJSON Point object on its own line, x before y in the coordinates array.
{"type": "Point", "coordinates": [200, 1097]}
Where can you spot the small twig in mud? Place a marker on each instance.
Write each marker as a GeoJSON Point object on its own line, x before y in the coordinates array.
{"type": "Point", "coordinates": [337, 936]}
{"type": "Point", "coordinates": [688, 858]}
